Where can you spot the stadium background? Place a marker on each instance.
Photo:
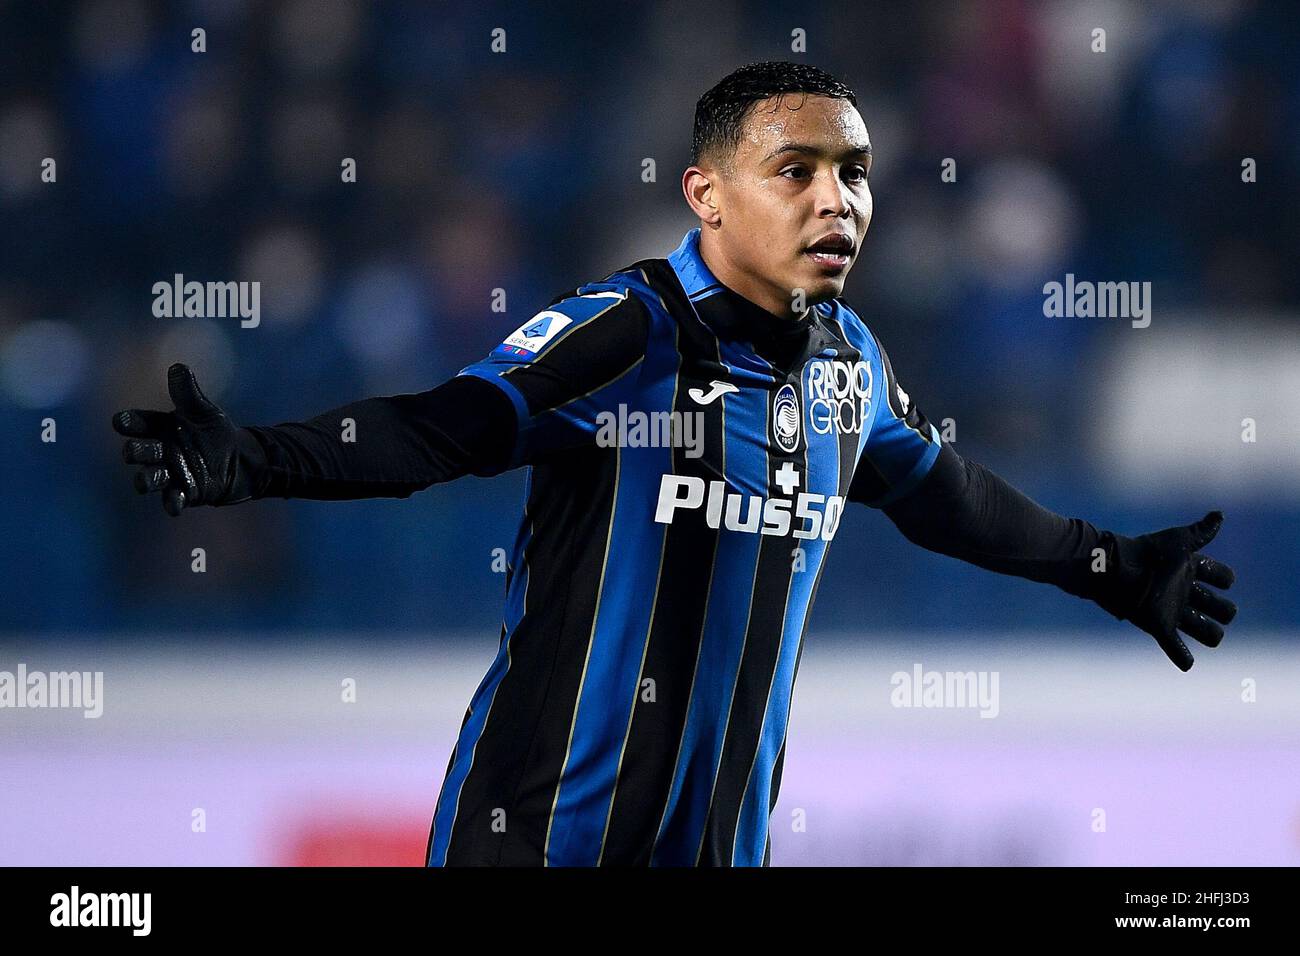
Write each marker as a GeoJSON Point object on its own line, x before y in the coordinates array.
{"type": "Point", "coordinates": [523, 171]}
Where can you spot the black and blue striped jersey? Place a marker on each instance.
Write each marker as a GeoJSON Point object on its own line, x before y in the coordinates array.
{"type": "Point", "coordinates": [689, 456]}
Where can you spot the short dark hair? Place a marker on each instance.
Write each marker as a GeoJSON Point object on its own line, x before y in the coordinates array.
{"type": "Point", "coordinates": [720, 113]}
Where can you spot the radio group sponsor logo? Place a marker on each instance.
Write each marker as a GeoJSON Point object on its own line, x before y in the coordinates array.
{"type": "Point", "coordinates": [805, 515]}
{"type": "Point", "coordinates": [785, 418]}
{"type": "Point", "coordinates": [839, 396]}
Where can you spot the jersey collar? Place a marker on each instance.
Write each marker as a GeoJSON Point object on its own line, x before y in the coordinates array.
{"type": "Point", "coordinates": [686, 261]}
{"type": "Point", "coordinates": [732, 316]}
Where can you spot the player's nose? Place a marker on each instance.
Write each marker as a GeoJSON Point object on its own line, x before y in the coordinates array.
{"type": "Point", "coordinates": [832, 197]}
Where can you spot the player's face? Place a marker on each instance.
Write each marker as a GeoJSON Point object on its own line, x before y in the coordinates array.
{"type": "Point", "coordinates": [796, 205]}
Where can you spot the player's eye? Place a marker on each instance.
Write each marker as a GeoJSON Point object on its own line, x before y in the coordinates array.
{"type": "Point", "coordinates": [856, 174]}
{"type": "Point", "coordinates": [794, 172]}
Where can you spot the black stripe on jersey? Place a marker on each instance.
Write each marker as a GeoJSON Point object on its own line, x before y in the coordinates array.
{"type": "Point", "coordinates": [696, 338]}
{"type": "Point", "coordinates": [595, 353]}
{"type": "Point", "coordinates": [571, 501]}
{"type": "Point", "coordinates": [848, 446]}
{"type": "Point", "coordinates": [773, 578]}
{"type": "Point", "coordinates": [655, 732]}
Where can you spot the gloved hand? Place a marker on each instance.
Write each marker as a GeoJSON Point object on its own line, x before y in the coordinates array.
{"type": "Point", "coordinates": [194, 455]}
{"type": "Point", "coordinates": [1163, 578]}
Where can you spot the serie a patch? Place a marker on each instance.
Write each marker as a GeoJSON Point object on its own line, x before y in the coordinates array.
{"type": "Point", "coordinates": [530, 337]}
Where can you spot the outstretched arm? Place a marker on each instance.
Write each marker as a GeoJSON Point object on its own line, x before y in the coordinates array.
{"type": "Point", "coordinates": [195, 455]}
{"type": "Point", "coordinates": [404, 444]}
{"type": "Point", "coordinates": [955, 506]}
{"type": "Point", "coordinates": [1157, 581]}
{"type": "Point", "coordinates": [537, 394]}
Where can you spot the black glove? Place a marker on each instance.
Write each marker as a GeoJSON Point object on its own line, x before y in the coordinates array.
{"type": "Point", "coordinates": [194, 455]}
{"type": "Point", "coordinates": [1158, 582]}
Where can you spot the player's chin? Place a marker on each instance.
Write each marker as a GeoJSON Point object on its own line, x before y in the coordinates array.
{"type": "Point", "coordinates": [819, 287]}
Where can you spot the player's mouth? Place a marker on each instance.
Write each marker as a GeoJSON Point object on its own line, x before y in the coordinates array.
{"type": "Point", "coordinates": [832, 252]}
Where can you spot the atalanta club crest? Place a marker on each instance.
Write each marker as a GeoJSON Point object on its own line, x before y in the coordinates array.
{"type": "Point", "coordinates": [785, 418]}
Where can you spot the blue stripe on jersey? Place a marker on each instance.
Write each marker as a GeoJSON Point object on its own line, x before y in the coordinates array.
{"type": "Point", "coordinates": [686, 261]}
{"type": "Point", "coordinates": [492, 373]}
{"type": "Point", "coordinates": [612, 671]}
{"type": "Point", "coordinates": [894, 447]}
{"type": "Point", "coordinates": [685, 816]}
{"type": "Point", "coordinates": [821, 477]}
{"type": "Point", "coordinates": [852, 328]}
{"type": "Point", "coordinates": [913, 477]}
{"type": "Point", "coordinates": [444, 814]}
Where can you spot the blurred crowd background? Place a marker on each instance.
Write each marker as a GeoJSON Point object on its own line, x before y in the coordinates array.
{"type": "Point", "coordinates": [522, 171]}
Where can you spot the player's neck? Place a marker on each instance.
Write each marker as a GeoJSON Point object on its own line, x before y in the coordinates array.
{"type": "Point", "coordinates": [748, 287]}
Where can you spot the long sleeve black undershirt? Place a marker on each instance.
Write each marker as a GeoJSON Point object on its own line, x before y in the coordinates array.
{"type": "Point", "coordinates": [403, 444]}
{"type": "Point", "coordinates": [963, 510]}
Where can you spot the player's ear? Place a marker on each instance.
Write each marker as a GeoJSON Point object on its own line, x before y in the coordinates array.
{"type": "Point", "coordinates": [701, 196]}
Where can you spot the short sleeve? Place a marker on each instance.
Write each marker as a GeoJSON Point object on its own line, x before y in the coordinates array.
{"type": "Point", "coordinates": [576, 358]}
{"type": "Point", "coordinates": [900, 450]}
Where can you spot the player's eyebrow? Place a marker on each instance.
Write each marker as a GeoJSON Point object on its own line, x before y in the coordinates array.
{"type": "Point", "coordinates": [857, 149]}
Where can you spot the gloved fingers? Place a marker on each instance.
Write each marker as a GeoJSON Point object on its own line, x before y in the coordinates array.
{"type": "Point", "coordinates": [186, 395]}
{"type": "Point", "coordinates": [1175, 649]}
{"type": "Point", "coordinates": [183, 475]}
{"type": "Point", "coordinates": [1215, 606]}
{"type": "Point", "coordinates": [143, 423]}
{"type": "Point", "coordinates": [199, 470]}
{"type": "Point", "coordinates": [1203, 531]}
{"type": "Point", "coordinates": [1196, 625]}
{"type": "Point", "coordinates": [151, 478]}
{"type": "Point", "coordinates": [1213, 572]}
{"type": "Point", "coordinates": [174, 502]}
{"type": "Point", "coordinates": [142, 451]}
